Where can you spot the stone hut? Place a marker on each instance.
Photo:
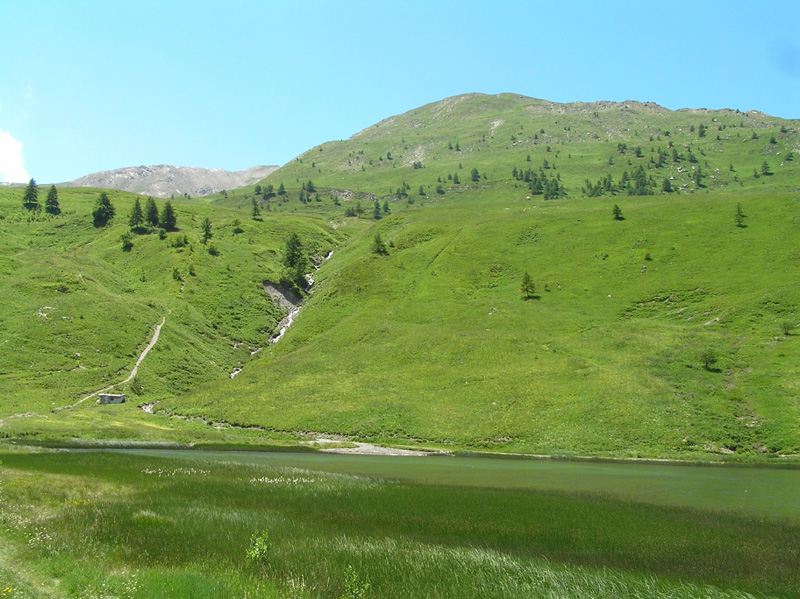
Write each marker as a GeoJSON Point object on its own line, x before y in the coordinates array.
{"type": "Point", "coordinates": [107, 398]}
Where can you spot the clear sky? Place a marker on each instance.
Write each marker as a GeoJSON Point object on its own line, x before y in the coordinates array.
{"type": "Point", "coordinates": [87, 86]}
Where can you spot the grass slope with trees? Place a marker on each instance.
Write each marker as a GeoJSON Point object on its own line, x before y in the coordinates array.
{"type": "Point", "coordinates": [84, 290]}
{"type": "Point", "coordinates": [510, 274]}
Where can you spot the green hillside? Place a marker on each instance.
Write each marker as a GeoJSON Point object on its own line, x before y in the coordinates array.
{"type": "Point", "coordinates": [572, 142]}
{"type": "Point", "coordinates": [78, 309]}
{"type": "Point", "coordinates": [669, 332]}
{"type": "Point", "coordinates": [434, 341]}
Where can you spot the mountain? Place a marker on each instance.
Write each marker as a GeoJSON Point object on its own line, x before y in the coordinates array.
{"type": "Point", "coordinates": [163, 181]}
{"type": "Point", "coordinates": [660, 320]}
{"type": "Point", "coordinates": [590, 148]}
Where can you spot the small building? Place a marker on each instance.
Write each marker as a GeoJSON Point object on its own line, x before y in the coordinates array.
{"type": "Point", "coordinates": [106, 398]}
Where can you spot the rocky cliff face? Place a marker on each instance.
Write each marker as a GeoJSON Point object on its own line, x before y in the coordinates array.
{"type": "Point", "coordinates": [164, 181]}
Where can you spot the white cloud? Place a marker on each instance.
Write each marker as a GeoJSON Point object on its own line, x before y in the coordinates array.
{"type": "Point", "coordinates": [12, 164]}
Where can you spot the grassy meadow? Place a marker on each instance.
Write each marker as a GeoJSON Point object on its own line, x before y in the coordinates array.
{"type": "Point", "coordinates": [93, 524]}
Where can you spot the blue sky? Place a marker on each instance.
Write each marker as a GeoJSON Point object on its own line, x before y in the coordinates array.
{"type": "Point", "coordinates": [90, 86]}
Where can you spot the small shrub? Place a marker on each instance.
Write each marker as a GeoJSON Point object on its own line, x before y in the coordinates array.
{"type": "Point", "coordinates": [212, 249]}
{"type": "Point", "coordinates": [127, 242]}
{"type": "Point", "coordinates": [354, 587]}
{"type": "Point", "coordinates": [786, 327]}
{"type": "Point", "coordinates": [709, 359]}
{"type": "Point", "coordinates": [259, 550]}
{"type": "Point", "coordinates": [379, 246]}
{"type": "Point", "coordinates": [162, 233]}
{"type": "Point", "coordinates": [179, 241]}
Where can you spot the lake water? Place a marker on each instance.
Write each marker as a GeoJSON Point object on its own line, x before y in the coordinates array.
{"type": "Point", "coordinates": [761, 492]}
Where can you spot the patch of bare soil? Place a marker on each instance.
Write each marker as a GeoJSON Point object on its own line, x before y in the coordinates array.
{"type": "Point", "coordinates": [370, 449]}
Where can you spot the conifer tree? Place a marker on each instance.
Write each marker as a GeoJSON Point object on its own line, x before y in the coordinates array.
{"type": "Point", "coordinates": [379, 246]}
{"type": "Point", "coordinates": [293, 253]}
{"type": "Point", "coordinates": [151, 212]}
{"type": "Point", "coordinates": [103, 211]}
{"type": "Point", "coordinates": [739, 216]}
{"type": "Point", "coordinates": [51, 205]}
{"type": "Point", "coordinates": [30, 199]}
{"type": "Point", "coordinates": [528, 289]}
{"type": "Point", "coordinates": [167, 219]}
{"type": "Point", "coordinates": [205, 226]}
{"type": "Point", "coordinates": [136, 219]}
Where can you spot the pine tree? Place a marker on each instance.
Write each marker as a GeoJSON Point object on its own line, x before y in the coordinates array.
{"type": "Point", "coordinates": [378, 246]}
{"type": "Point", "coordinates": [293, 254]}
{"type": "Point", "coordinates": [168, 220]}
{"type": "Point", "coordinates": [617, 213]}
{"type": "Point", "coordinates": [103, 211]}
{"type": "Point", "coordinates": [256, 209]}
{"type": "Point", "coordinates": [51, 205]}
{"type": "Point", "coordinates": [739, 216]}
{"type": "Point", "coordinates": [136, 219]}
{"type": "Point", "coordinates": [151, 212]}
{"type": "Point", "coordinates": [697, 177]}
{"type": "Point", "coordinates": [475, 175]}
{"type": "Point", "coordinates": [528, 289]}
{"type": "Point", "coordinates": [30, 199]}
{"type": "Point", "coordinates": [205, 226]}
{"type": "Point", "coordinates": [299, 275]}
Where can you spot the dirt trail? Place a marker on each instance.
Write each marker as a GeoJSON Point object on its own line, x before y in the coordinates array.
{"type": "Point", "coordinates": [135, 369]}
{"type": "Point", "coordinates": [141, 357]}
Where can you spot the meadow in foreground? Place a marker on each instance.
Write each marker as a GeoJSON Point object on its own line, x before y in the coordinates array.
{"type": "Point", "coordinates": [100, 524]}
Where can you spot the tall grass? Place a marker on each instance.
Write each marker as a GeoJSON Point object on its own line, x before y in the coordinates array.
{"type": "Point", "coordinates": [80, 517]}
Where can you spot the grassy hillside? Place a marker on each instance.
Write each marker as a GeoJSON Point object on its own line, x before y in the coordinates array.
{"type": "Point", "coordinates": [79, 309]}
{"type": "Point", "coordinates": [669, 332]}
{"type": "Point", "coordinates": [576, 142]}
{"type": "Point", "coordinates": [435, 342]}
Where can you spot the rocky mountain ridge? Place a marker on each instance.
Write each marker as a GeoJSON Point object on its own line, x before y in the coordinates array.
{"type": "Point", "coordinates": [163, 181]}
